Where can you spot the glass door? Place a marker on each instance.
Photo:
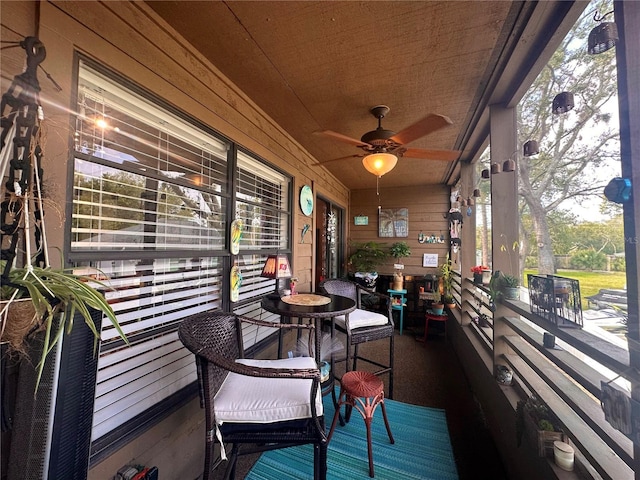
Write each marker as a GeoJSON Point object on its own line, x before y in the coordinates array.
{"type": "Point", "coordinates": [329, 247]}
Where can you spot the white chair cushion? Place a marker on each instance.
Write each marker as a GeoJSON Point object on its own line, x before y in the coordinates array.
{"type": "Point", "coordinates": [362, 318]}
{"type": "Point", "coordinates": [243, 399]}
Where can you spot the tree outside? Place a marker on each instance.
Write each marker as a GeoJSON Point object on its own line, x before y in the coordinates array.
{"type": "Point", "coordinates": [579, 154]}
{"type": "Point", "coordinates": [578, 149]}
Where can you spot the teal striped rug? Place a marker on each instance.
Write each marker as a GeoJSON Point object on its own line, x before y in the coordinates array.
{"type": "Point", "coordinates": [422, 449]}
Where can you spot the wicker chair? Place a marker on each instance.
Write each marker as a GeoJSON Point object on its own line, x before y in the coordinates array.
{"type": "Point", "coordinates": [362, 326]}
{"type": "Point", "coordinates": [259, 404]}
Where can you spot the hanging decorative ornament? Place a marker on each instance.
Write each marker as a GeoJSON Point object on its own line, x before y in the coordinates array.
{"type": "Point", "coordinates": [469, 211]}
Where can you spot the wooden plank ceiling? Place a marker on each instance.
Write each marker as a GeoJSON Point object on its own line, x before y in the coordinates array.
{"type": "Point", "coordinates": [316, 66]}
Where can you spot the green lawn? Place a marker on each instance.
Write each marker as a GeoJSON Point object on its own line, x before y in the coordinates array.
{"type": "Point", "coordinates": [590, 282]}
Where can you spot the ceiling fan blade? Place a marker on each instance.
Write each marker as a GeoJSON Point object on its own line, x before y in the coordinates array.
{"type": "Point", "coordinates": [429, 154]}
{"type": "Point", "coordinates": [342, 138]}
{"type": "Point", "coordinates": [336, 160]}
{"type": "Point", "coordinates": [427, 125]}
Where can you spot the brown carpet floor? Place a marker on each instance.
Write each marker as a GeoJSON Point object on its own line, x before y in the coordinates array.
{"type": "Point", "coordinates": [431, 375]}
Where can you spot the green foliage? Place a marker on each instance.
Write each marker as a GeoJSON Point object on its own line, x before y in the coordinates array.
{"type": "Point", "coordinates": [54, 291]}
{"type": "Point", "coordinates": [537, 410]}
{"type": "Point", "coordinates": [367, 256]}
{"type": "Point", "coordinates": [545, 425]}
{"type": "Point", "coordinates": [399, 250]}
{"type": "Point", "coordinates": [619, 264]}
{"type": "Point", "coordinates": [509, 281]}
{"type": "Point", "coordinates": [588, 260]}
{"type": "Point", "coordinates": [436, 298]}
{"type": "Point", "coordinates": [447, 278]}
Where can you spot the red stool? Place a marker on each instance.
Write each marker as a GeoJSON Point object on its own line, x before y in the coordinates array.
{"type": "Point", "coordinates": [434, 318]}
{"type": "Point", "coordinates": [363, 391]}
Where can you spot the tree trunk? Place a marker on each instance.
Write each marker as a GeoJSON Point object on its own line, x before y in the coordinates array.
{"type": "Point", "coordinates": [546, 260]}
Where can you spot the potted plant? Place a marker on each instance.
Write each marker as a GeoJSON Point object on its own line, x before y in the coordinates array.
{"type": "Point", "coordinates": [37, 299]}
{"type": "Point", "coordinates": [436, 304]}
{"type": "Point", "coordinates": [503, 285]}
{"type": "Point", "coordinates": [534, 418]}
{"type": "Point", "coordinates": [399, 250]}
{"type": "Point", "coordinates": [481, 274]}
{"type": "Point", "coordinates": [509, 285]}
{"type": "Point", "coordinates": [365, 259]}
{"type": "Point", "coordinates": [447, 283]}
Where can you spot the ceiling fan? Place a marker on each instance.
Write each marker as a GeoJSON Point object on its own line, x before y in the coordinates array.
{"type": "Point", "coordinates": [382, 141]}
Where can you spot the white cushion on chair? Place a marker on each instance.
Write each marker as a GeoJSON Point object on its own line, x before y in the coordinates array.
{"type": "Point", "coordinates": [244, 399]}
{"type": "Point", "coordinates": [362, 318]}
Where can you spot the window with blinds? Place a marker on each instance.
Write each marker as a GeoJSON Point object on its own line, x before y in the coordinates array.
{"type": "Point", "coordinates": [151, 206]}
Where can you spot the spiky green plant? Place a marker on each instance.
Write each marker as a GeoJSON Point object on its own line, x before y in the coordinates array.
{"type": "Point", "coordinates": [54, 291]}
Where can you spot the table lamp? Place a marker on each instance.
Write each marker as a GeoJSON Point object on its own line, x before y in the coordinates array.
{"type": "Point", "coordinates": [276, 267]}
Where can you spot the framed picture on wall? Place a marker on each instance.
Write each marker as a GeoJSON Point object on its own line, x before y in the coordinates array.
{"type": "Point", "coordinates": [393, 222]}
{"type": "Point", "coordinates": [429, 259]}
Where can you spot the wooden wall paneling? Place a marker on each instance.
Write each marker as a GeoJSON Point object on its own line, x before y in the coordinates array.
{"type": "Point", "coordinates": [427, 208]}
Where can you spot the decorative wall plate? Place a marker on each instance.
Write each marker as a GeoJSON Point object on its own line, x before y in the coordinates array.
{"type": "Point", "coordinates": [306, 200]}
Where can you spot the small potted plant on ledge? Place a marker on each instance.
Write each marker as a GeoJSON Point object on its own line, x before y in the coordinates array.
{"type": "Point", "coordinates": [399, 250]}
{"type": "Point", "coordinates": [541, 426]}
{"type": "Point", "coordinates": [510, 286]}
{"type": "Point", "coordinates": [437, 307]}
{"type": "Point", "coordinates": [481, 274]}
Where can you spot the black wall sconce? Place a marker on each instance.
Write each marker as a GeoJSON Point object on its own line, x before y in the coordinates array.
{"type": "Point", "coordinates": [603, 36]}
{"type": "Point", "coordinates": [562, 103]}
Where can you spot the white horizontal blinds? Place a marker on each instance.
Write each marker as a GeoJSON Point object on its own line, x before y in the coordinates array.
{"type": "Point", "coordinates": [262, 203]}
{"type": "Point", "coordinates": [150, 200]}
{"type": "Point", "coordinates": [150, 298]}
{"type": "Point", "coordinates": [127, 387]}
{"type": "Point", "coordinates": [250, 333]}
{"type": "Point", "coordinates": [253, 285]}
{"type": "Point", "coordinates": [115, 209]}
{"type": "Point", "coordinates": [148, 182]}
{"type": "Point", "coordinates": [158, 293]}
{"type": "Point", "coordinates": [121, 126]}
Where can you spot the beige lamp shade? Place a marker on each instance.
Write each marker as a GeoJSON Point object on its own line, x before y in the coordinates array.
{"type": "Point", "coordinates": [276, 266]}
{"type": "Point", "coordinates": [379, 163]}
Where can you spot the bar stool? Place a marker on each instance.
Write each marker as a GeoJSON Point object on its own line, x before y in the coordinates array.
{"type": "Point", "coordinates": [364, 391]}
{"type": "Point", "coordinates": [434, 318]}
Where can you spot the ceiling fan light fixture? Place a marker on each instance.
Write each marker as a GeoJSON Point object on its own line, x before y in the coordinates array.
{"type": "Point", "coordinates": [379, 163]}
